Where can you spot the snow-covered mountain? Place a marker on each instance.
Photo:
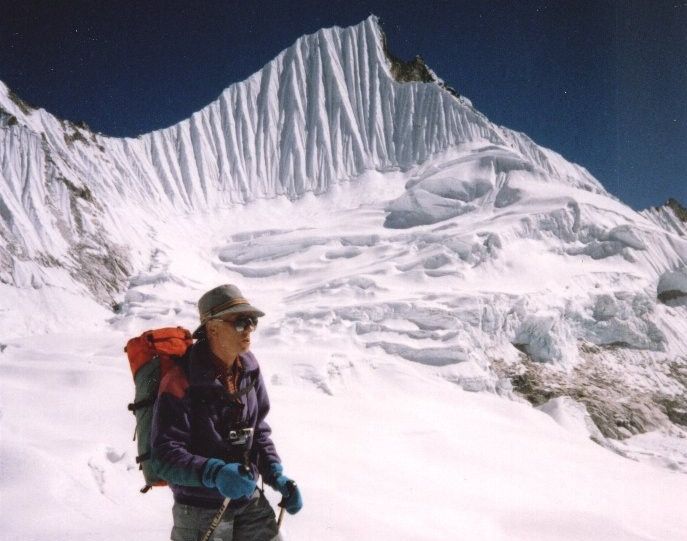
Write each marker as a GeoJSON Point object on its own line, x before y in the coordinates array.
{"type": "Point", "coordinates": [400, 241]}
{"type": "Point", "coordinates": [324, 111]}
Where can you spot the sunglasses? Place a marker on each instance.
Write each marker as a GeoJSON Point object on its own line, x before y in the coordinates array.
{"type": "Point", "coordinates": [242, 323]}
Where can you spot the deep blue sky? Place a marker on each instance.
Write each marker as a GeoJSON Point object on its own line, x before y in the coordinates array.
{"type": "Point", "coordinates": [602, 82]}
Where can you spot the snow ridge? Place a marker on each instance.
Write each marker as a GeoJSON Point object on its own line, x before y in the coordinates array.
{"type": "Point", "coordinates": [324, 111]}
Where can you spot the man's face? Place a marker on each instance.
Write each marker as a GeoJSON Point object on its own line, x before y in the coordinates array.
{"type": "Point", "coordinates": [224, 334]}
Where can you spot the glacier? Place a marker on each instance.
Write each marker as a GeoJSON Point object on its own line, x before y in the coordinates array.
{"type": "Point", "coordinates": [405, 246]}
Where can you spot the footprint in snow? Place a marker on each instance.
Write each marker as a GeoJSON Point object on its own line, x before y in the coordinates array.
{"type": "Point", "coordinates": [105, 462]}
{"type": "Point", "coordinates": [113, 455]}
{"type": "Point", "coordinates": [308, 373]}
{"type": "Point", "coordinates": [98, 473]}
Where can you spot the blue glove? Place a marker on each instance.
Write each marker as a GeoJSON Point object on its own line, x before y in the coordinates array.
{"type": "Point", "coordinates": [292, 500]}
{"type": "Point", "coordinates": [233, 480]}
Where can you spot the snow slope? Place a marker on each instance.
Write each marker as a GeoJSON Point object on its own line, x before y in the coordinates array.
{"type": "Point", "coordinates": [366, 411]}
{"type": "Point", "coordinates": [426, 274]}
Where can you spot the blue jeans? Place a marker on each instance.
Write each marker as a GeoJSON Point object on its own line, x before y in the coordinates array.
{"type": "Point", "coordinates": [253, 522]}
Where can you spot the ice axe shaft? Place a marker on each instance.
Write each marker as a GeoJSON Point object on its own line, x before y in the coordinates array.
{"type": "Point", "coordinates": [291, 485]}
{"type": "Point", "coordinates": [281, 517]}
{"type": "Point", "coordinates": [220, 513]}
{"type": "Point", "coordinates": [216, 519]}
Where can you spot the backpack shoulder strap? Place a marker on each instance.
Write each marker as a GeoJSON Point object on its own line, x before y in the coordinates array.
{"type": "Point", "coordinates": [175, 380]}
{"type": "Point", "coordinates": [247, 389]}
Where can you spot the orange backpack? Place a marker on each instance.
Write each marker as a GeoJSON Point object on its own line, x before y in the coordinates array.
{"type": "Point", "coordinates": [151, 356]}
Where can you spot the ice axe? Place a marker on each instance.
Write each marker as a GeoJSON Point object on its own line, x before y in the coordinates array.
{"type": "Point", "coordinates": [291, 485]}
{"type": "Point", "coordinates": [220, 513]}
{"type": "Point", "coordinates": [216, 519]}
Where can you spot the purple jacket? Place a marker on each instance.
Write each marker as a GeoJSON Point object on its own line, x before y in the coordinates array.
{"type": "Point", "coordinates": [193, 420]}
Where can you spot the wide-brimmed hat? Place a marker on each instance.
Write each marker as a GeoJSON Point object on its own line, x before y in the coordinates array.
{"type": "Point", "coordinates": [224, 299]}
